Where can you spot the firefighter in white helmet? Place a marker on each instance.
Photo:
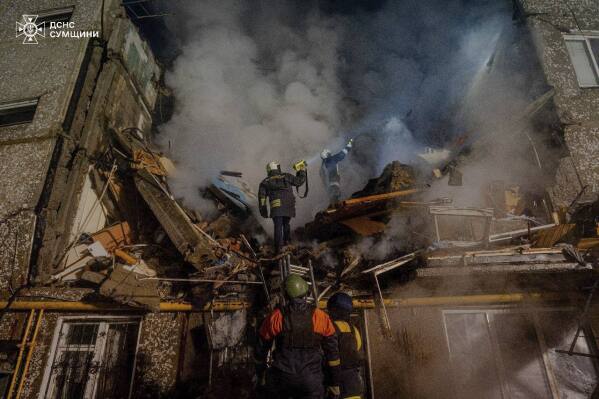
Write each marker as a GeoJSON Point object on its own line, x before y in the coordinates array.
{"type": "Point", "coordinates": [329, 171]}
{"type": "Point", "coordinates": [277, 201]}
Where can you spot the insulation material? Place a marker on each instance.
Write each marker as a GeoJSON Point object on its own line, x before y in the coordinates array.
{"type": "Point", "coordinates": [91, 215]}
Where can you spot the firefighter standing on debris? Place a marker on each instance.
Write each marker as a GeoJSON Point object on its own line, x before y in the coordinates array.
{"type": "Point", "coordinates": [329, 171]}
{"type": "Point", "coordinates": [277, 189]}
{"type": "Point", "coordinates": [302, 333]}
{"type": "Point", "coordinates": [340, 307]}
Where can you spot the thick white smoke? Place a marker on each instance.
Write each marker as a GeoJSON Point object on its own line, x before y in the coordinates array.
{"type": "Point", "coordinates": [249, 92]}
{"type": "Point", "coordinates": [266, 80]}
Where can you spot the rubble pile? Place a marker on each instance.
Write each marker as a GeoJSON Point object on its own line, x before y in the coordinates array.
{"type": "Point", "coordinates": [156, 249]}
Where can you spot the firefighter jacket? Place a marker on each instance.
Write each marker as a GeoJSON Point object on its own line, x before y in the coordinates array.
{"type": "Point", "coordinates": [350, 344]}
{"type": "Point", "coordinates": [329, 170]}
{"type": "Point", "coordinates": [303, 334]}
{"type": "Point", "coordinates": [277, 190]}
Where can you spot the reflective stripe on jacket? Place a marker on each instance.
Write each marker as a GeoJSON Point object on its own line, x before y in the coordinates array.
{"type": "Point", "coordinates": [277, 191]}
{"type": "Point", "coordinates": [292, 357]}
{"type": "Point", "coordinates": [350, 344]}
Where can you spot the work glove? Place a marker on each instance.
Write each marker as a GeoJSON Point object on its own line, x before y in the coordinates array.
{"type": "Point", "coordinates": [333, 392]}
{"type": "Point", "coordinates": [264, 212]}
{"type": "Point", "coordinates": [350, 144]}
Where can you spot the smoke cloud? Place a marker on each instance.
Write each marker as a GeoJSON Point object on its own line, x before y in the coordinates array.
{"type": "Point", "coordinates": [270, 80]}
{"type": "Point", "coordinates": [252, 85]}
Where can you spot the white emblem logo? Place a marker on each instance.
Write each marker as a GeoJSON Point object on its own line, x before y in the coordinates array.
{"type": "Point", "coordinates": [29, 29]}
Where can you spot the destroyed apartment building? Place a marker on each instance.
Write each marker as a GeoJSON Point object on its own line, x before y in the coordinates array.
{"type": "Point", "coordinates": [112, 288]}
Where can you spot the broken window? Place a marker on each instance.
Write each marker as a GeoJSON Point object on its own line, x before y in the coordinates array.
{"type": "Point", "coordinates": [63, 14]}
{"type": "Point", "coordinates": [461, 226]}
{"type": "Point", "coordinates": [17, 112]}
{"type": "Point", "coordinates": [584, 53]}
{"type": "Point", "coordinates": [91, 358]}
{"type": "Point", "coordinates": [512, 354]}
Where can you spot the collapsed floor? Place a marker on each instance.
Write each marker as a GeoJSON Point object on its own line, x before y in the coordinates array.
{"type": "Point", "coordinates": [151, 299]}
{"type": "Point", "coordinates": [385, 245]}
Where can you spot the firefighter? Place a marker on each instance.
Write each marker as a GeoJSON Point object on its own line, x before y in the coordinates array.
{"type": "Point", "coordinates": [302, 334]}
{"type": "Point", "coordinates": [277, 190]}
{"type": "Point", "coordinates": [349, 339]}
{"type": "Point", "coordinates": [329, 171]}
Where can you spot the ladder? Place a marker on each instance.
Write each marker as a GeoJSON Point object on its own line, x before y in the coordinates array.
{"type": "Point", "coordinates": [286, 268]}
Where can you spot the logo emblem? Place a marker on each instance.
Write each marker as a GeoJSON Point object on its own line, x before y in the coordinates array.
{"type": "Point", "coordinates": [29, 29]}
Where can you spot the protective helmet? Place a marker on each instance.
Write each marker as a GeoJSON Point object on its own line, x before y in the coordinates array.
{"type": "Point", "coordinates": [325, 153]}
{"type": "Point", "coordinates": [295, 286]}
{"type": "Point", "coordinates": [273, 166]}
{"type": "Point", "coordinates": [340, 301]}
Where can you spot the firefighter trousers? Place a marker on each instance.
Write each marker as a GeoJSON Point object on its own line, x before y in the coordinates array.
{"type": "Point", "coordinates": [282, 234]}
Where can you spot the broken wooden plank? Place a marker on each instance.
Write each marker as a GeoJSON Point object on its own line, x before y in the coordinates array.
{"type": "Point", "coordinates": [364, 226]}
{"type": "Point", "coordinates": [196, 248]}
{"type": "Point", "coordinates": [549, 237]}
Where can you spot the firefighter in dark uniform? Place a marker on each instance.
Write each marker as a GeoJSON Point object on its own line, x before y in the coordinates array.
{"type": "Point", "coordinates": [302, 334]}
{"type": "Point", "coordinates": [350, 346]}
{"type": "Point", "coordinates": [277, 190]}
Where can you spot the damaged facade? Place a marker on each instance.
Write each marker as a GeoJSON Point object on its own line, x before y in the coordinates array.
{"type": "Point", "coordinates": [61, 102]}
{"type": "Point", "coordinates": [112, 288]}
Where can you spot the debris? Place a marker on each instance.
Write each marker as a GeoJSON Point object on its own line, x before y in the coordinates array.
{"type": "Point", "coordinates": [548, 237]}
{"type": "Point", "coordinates": [123, 286]}
{"type": "Point", "coordinates": [93, 277]}
{"type": "Point", "coordinates": [196, 248]}
{"type": "Point", "coordinates": [130, 260]}
{"type": "Point", "coordinates": [75, 259]}
{"type": "Point", "coordinates": [395, 177]}
{"type": "Point", "coordinates": [461, 227]}
{"type": "Point", "coordinates": [507, 236]}
{"type": "Point", "coordinates": [143, 159]}
{"type": "Point", "coordinates": [364, 226]}
{"type": "Point", "coordinates": [505, 199]}
{"type": "Point", "coordinates": [114, 237]}
{"type": "Point", "coordinates": [97, 250]}
{"type": "Point", "coordinates": [230, 189]}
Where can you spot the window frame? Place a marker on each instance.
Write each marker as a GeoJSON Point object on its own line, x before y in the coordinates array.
{"type": "Point", "coordinates": [46, 388]}
{"type": "Point", "coordinates": [584, 37]}
{"type": "Point", "coordinates": [533, 312]}
{"type": "Point", "coordinates": [27, 106]}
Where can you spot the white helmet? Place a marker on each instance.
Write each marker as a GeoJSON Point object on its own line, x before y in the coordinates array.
{"type": "Point", "coordinates": [325, 153]}
{"type": "Point", "coordinates": [272, 166]}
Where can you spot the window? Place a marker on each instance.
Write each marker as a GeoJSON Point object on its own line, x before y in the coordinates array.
{"type": "Point", "coordinates": [91, 358]}
{"type": "Point", "coordinates": [17, 112]}
{"type": "Point", "coordinates": [55, 15]}
{"type": "Point", "coordinates": [511, 354]}
{"type": "Point", "coordinates": [461, 226]}
{"type": "Point", "coordinates": [584, 53]}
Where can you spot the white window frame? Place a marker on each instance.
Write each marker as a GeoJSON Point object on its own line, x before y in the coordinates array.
{"type": "Point", "coordinates": [47, 386]}
{"type": "Point", "coordinates": [584, 37]}
{"type": "Point", "coordinates": [533, 312]}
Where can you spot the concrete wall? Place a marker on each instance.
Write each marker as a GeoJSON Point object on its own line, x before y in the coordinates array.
{"type": "Point", "coordinates": [115, 103]}
{"type": "Point", "coordinates": [577, 108]}
{"type": "Point", "coordinates": [85, 88]}
{"type": "Point", "coordinates": [47, 71]}
{"type": "Point", "coordinates": [156, 361]}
